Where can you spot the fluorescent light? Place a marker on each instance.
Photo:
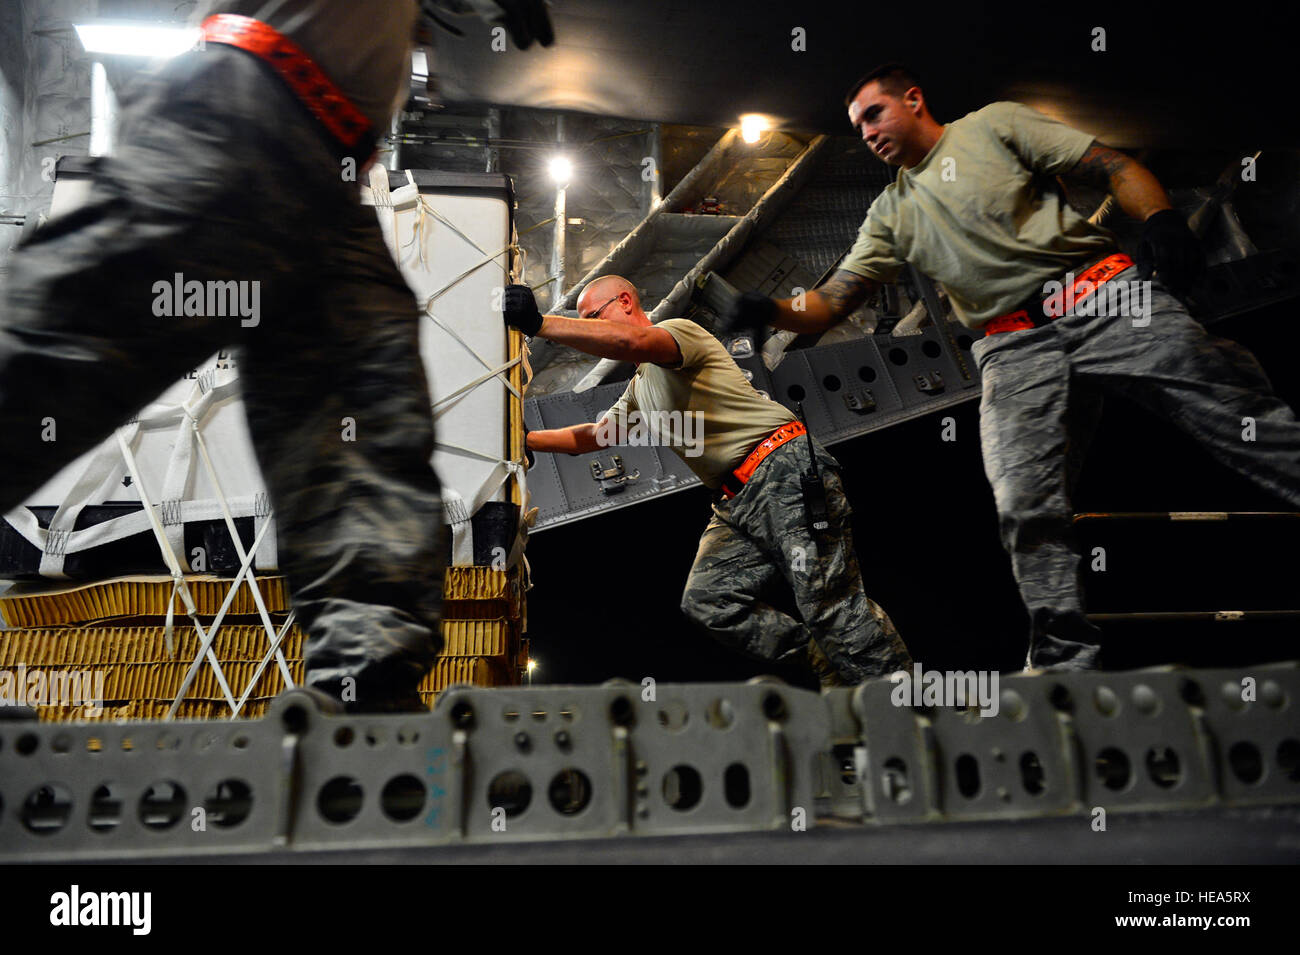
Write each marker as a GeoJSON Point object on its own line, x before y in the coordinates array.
{"type": "Point", "coordinates": [752, 126]}
{"type": "Point", "coordinates": [561, 169]}
{"type": "Point", "coordinates": [103, 111]}
{"type": "Point", "coordinates": [129, 39]}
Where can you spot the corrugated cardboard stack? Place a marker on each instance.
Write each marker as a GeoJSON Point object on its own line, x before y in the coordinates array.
{"type": "Point", "coordinates": [109, 636]}
{"type": "Point", "coordinates": [484, 616]}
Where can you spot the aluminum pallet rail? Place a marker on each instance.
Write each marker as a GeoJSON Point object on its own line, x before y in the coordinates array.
{"type": "Point", "coordinates": [623, 761]}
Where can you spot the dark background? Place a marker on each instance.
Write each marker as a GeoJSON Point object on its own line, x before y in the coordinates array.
{"type": "Point", "coordinates": [1171, 75]}
{"type": "Point", "coordinates": [606, 589]}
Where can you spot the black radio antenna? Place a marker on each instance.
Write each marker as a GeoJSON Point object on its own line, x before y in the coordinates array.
{"type": "Point", "coordinates": [812, 455]}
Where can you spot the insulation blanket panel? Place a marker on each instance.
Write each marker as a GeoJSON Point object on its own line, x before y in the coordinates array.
{"type": "Point", "coordinates": [449, 234]}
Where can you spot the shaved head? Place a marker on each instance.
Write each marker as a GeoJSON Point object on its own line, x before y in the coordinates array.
{"type": "Point", "coordinates": [601, 290]}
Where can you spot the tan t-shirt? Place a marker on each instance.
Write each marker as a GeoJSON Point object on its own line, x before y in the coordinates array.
{"type": "Point", "coordinates": [982, 213]}
{"type": "Point", "coordinates": [362, 45]}
{"type": "Point", "coordinates": [705, 410]}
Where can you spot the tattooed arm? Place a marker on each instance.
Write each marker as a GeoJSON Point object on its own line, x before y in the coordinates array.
{"type": "Point", "coordinates": [1137, 191]}
{"type": "Point", "coordinates": [827, 305]}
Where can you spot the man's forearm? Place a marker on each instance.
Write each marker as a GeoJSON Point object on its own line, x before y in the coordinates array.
{"type": "Point", "coordinates": [602, 339]}
{"type": "Point", "coordinates": [578, 439]}
{"type": "Point", "coordinates": [1137, 191]}
{"type": "Point", "coordinates": [816, 316]}
{"type": "Point", "coordinates": [825, 306]}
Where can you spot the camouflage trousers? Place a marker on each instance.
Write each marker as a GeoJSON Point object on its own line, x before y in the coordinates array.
{"type": "Point", "coordinates": [1040, 386]}
{"type": "Point", "coordinates": [221, 175]}
{"type": "Point", "coordinates": [760, 537]}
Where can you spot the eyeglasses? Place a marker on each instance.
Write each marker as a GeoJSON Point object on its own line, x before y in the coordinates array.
{"type": "Point", "coordinates": [596, 313]}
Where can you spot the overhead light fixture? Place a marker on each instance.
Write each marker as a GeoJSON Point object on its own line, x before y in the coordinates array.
{"type": "Point", "coordinates": [136, 39]}
{"type": "Point", "coordinates": [561, 170]}
{"type": "Point", "coordinates": [753, 126]}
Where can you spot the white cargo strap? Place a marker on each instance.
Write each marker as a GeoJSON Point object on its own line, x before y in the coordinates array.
{"type": "Point", "coordinates": [419, 232]}
{"type": "Point", "coordinates": [205, 647]}
{"type": "Point", "coordinates": [267, 555]}
{"type": "Point", "coordinates": [55, 541]}
{"type": "Point", "coordinates": [457, 512]}
{"type": "Point", "coordinates": [487, 260]}
{"type": "Point", "coordinates": [387, 202]}
{"type": "Point", "coordinates": [470, 386]}
{"type": "Point", "coordinates": [458, 516]}
{"type": "Point", "coordinates": [498, 372]}
{"type": "Point", "coordinates": [239, 550]}
{"type": "Point", "coordinates": [178, 582]}
{"type": "Point", "coordinates": [274, 650]}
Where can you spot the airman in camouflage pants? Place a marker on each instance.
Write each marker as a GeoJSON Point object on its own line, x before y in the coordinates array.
{"type": "Point", "coordinates": [761, 535]}
{"type": "Point", "coordinates": [221, 175]}
{"type": "Point", "coordinates": [1211, 388]}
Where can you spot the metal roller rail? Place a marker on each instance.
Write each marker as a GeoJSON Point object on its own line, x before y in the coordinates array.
{"type": "Point", "coordinates": [625, 761]}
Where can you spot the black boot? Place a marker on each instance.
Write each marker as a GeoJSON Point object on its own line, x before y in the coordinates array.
{"type": "Point", "coordinates": [1062, 642]}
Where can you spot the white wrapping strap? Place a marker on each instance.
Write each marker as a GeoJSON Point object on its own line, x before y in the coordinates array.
{"type": "Point", "coordinates": [53, 542]}
{"type": "Point", "coordinates": [382, 200]}
{"type": "Point", "coordinates": [239, 549]}
{"type": "Point", "coordinates": [519, 472]}
{"type": "Point", "coordinates": [470, 386]}
{"type": "Point", "coordinates": [425, 208]}
{"type": "Point", "coordinates": [479, 358]}
{"type": "Point", "coordinates": [205, 647]}
{"type": "Point", "coordinates": [25, 524]}
{"type": "Point", "coordinates": [203, 395]}
{"type": "Point", "coordinates": [387, 202]}
{"type": "Point", "coordinates": [268, 554]}
{"type": "Point", "coordinates": [456, 514]}
{"type": "Point", "coordinates": [178, 580]}
{"type": "Point", "coordinates": [380, 197]}
{"type": "Point", "coordinates": [274, 650]}
{"type": "Point", "coordinates": [173, 491]}
{"type": "Point", "coordinates": [464, 275]}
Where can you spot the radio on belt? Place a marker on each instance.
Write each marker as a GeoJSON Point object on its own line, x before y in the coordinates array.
{"type": "Point", "coordinates": [814, 491]}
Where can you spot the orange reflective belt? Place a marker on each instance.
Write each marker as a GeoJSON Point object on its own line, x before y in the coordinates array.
{"type": "Point", "coordinates": [314, 89]}
{"type": "Point", "coordinates": [734, 481]}
{"type": "Point", "coordinates": [1087, 282]}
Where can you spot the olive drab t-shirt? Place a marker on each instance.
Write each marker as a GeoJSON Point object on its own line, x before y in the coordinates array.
{"type": "Point", "coordinates": [983, 215]}
{"type": "Point", "coordinates": [727, 416]}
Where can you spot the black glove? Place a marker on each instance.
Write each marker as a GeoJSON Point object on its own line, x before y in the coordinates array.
{"type": "Point", "coordinates": [520, 309]}
{"type": "Point", "coordinates": [1170, 248]}
{"type": "Point", "coordinates": [749, 312]}
{"type": "Point", "coordinates": [527, 20]}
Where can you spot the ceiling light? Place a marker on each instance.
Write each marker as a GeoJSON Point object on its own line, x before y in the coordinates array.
{"type": "Point", "coordinates": [129, 39]}
{"type": "Point", "coordinates": [752, 126]}
{"type": "Point", "coordinates": [561, 170]}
